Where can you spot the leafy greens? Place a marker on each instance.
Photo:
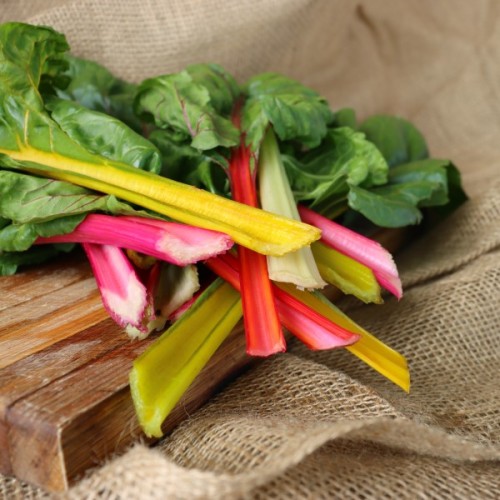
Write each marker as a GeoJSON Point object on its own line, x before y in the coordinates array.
{"type": "Point", "coordinates": [77, 110]}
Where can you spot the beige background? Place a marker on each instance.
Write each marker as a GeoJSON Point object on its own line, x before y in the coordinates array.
{"type": "Point", "coordinates": [320, 424]}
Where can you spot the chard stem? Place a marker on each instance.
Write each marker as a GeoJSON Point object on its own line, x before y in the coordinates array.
{"type": "Point", "coordinates": [347, 274]}
{"type": "Point", "coordinates": [262, 326]}
{"type": "Point", "coordinates": [276, 196]}
{"type": "Point", "coordinates": [123, 294]}
{"type": "Point", "coordinates": [162, 374]}
{"type": "Point", "coordinates": [263, 232]}
{"type": "Point", "coordinates": [312, 328]}
{"type": "Point", "coordinates": [175, 243]}
{"type": "Point", "coordinates": [366, 251]}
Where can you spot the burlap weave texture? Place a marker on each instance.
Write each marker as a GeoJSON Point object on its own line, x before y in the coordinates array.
{"type": "Point", "coordinates": [323, 425]}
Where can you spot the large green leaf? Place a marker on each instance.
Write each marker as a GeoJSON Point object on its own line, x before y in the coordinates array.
{"type": "Point", "coordinates": [394, 206]}
{"type": "Point", "coordinates": [345, 117]}
{"type": "Point", "coordinates": [96, 88]}
{"type": "Point", "coordinates": [27, 56]}
{"type": "Point", "coordinates": [411, 187]}
{"type": "Point", "coordinates": [221, 86]}
{"type": "Point", "coordinates": [195, 102]}
{"type": "Point", "coordinates": [325, 175]}
{"type": "Point", "coordinates": [294, 110]}
{"type": "Point", "coordinates": [397, 139]}
{"type": "Point", "coordinates": [33, 56]}
{"type": "Point", "coordinates": [104, 135]}
{"type": "Point", "coordinates": [430, 172]}
{"type": "Point", "coordinates": [30, 58]}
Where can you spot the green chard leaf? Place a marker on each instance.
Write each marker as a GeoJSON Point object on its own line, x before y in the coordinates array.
{"type": "Point", "coordinates": [32, 206]}
{"type": "Point", "coordinates": [196, 103]}
{"type": "Point", "coordinates": [397, 139]}
{"type": "Point", "coordinates": [104, 135]}
{"type": "Point", "coordinates": [324, 176]}
{"type": "Point", "coordinates": [30, 56]}
{"type": "Point", "coordinates": [294, 111]}
{"type": "Point", "coordinates": [11, 261]}
{"type": "Point", "coordinates": [345, 117]}
{"type": "Point", "coordinates": [95, 88]}
{"type": "Point", "coordinates": [181, 162]}
{"type": "Point", "coordinates": [411, 187]}
{"type": "Point", "coordinates": [42, 49]}
{"type": "Point", "coordinates": [222, 87]}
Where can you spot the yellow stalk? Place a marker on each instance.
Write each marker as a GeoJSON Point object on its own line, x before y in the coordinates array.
{"type": "Point", "coordinates": [346, 273]}
{"type": "Point", "coordinates": [257, 229]}
{"type": "Point", "coordinates": [369, 349]}
{"type": "Point", "coordinates": [162, 374]}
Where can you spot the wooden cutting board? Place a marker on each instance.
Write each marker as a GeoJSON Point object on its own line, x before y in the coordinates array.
{"type": "Point", "coordinates": [65, 403]}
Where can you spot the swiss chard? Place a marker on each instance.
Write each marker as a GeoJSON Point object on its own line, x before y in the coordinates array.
{"type": "Point", "coordinates": [71, 121]}
{"type": "Point", "coordinates": [415, 181]}
{"type": "Point", "coordinates": [324, 176]}
{"type": "Point", "coordinates": [94, 87]}
{"type": "Point", "coordinates": [175, 243]}
{"type": "Point", "coordinates": [276, 196]}
{"type": "Point", "coordinates": [188, 345]}
{"type": "Point", "coordinates": [123, 294]}
{"type": "Point", "coordinates": [49, 136]}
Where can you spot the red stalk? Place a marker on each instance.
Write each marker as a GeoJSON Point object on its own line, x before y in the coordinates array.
{"type": "Point", "coordinates": [263, 331]}
{"type": "Point", "coordinates": [309, 326]}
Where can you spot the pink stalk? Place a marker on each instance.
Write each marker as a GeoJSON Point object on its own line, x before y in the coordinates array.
{"type": "Point", "coordinates": [366, 251]}
{"type": "Point", "coordinates": [169, 241]}
{"type": "Point", "coordinates": [309, 326]}
{"type": "Point", "coordinates": [122, 293]}
{"type": "Point", "coordinates": [149, 321]}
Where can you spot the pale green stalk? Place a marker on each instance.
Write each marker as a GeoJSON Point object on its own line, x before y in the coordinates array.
{"type": "Point", "coordinates": [276, 196]}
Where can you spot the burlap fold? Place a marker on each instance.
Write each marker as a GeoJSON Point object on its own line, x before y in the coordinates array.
{"type": "Point", "coordinates": [322, 424]}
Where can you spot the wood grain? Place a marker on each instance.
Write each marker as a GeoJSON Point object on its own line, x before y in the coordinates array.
{"type": "Point", "coordinates": [65, 403]}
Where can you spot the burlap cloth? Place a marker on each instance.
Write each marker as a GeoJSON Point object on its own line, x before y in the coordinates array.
{"type": "Point", "coordinates": [308, 424]}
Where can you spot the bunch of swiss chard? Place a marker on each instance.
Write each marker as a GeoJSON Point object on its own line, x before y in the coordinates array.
{"type": "Point", "coordinates": [163, 185]}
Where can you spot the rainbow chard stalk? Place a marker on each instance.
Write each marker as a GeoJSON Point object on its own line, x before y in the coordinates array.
{"type": "Point", "coordinates": [176, 288]}
{"type": "Point", "coordinates": [165, 288]}
{"type": "Point", "coordinates": [364, 250]}
{"type": "Point", "coordinates": [368, 349]}
{"type": "Point", "coordinates": [175, 243]}
{"type": "Point", "coordinates": [313, 329]}
{"type": "Point", "coordinates": [276, 196]}
{"type": "Point", "coordinates": [262, 326]}
{"type": "Point", "coordinates": [53, 137]}
{"type": "Point", "coordinates": [151, 321]}
{"type": "Point", "coordinates": [123, 294]}
{"type": "Point", "coordinates": [347, 274]}
{"type": "Point", "coordinates": [162, 374]}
